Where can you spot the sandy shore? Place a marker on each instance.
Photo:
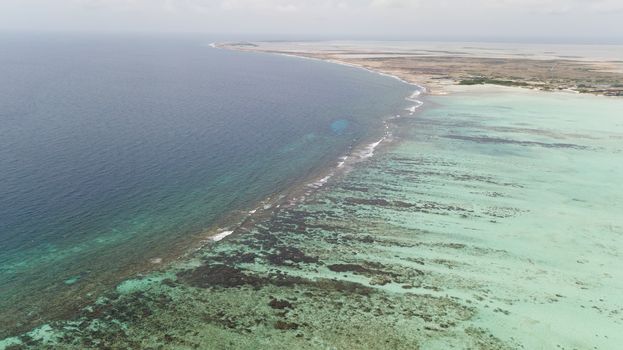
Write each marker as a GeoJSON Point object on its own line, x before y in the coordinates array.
{"type": "Point", "coordinates": [439, 66]}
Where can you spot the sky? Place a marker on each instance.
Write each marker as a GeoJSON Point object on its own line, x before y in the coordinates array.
{"type": "Point", "coordinates": [583, 20]}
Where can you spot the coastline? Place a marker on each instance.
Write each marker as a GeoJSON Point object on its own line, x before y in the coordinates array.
{"type": "Point", "coordinates": [393, 251]}
{"type": "Point", "coordinates": [503, 331]}
{"type": "Point", "coordinates": [297, 193]}
{"type": "Point", "coordinates": [233, 222]}
{"type": "Point", "coordinates": [457, 69]}
{"type": "Point", "coordinates": [422, 88]}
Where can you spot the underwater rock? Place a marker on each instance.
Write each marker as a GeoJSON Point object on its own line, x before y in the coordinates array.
{"type": "Point", "coordinates": [348, 268]}
{"type": "Point", "coordinates": [207, 276]}
{"type": "Point", "coordinates": [289, 255]}
{"type": "Point", "coordinates": [280, 304]}
{"type": "Point", "coordinates": [169, 282]}
{"type": "Point", "coordinates": [284, 326]}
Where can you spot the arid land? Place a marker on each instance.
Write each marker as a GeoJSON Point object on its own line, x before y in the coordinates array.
{"type": "Point", "coordinates": [592, 69]}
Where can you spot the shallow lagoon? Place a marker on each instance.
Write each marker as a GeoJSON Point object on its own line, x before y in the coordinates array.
{"type": "Point", "coordinates": [491, 221]}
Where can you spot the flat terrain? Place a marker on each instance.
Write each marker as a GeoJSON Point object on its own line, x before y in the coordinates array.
{"type": "Point", "coordinates": [581, 68]}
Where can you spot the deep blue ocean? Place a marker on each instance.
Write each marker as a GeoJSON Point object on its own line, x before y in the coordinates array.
{"type": "Point", "coordinates": [114, 149]}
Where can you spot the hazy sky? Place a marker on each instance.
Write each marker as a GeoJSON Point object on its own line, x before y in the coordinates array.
{"type": "Point", "coordinates": [328, 18]}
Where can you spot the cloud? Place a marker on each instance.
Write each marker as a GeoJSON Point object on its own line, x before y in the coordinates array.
{"type": "Point", "coordinates": [539, 7]}
{"type": "Point", "coordinates": [393, 3]}
{"type": "Point", "coordinates": [244, 5]}
{"type": "Point", "coordinates": [352, 17]}
{"type": "Point", "coordinates": [556, 7]}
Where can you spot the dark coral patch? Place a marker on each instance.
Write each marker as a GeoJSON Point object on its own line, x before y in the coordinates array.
{"type": "Point", "coordinates": [348, 268]}
{"type": "Point", "coordinates": [290, 255]}
{"type": "Point", "coordinates": [207, 276]}
{"type": "Point", "coordinates": [280, 304]}
{"type": "Point", "coordinates": [285, 326]}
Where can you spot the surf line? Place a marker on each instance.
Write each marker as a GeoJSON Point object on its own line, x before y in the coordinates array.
{"type": "Point", "coordinates": [368, 150]}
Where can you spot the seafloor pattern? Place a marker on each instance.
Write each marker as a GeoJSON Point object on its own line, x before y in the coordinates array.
{"type": "Point", "coordinates": [493, 221]}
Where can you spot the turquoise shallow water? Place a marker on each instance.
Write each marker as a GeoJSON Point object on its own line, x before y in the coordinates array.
{"type": "Point", "coordinates": [490, 221]}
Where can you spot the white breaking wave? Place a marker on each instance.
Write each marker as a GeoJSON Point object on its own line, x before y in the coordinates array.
{"type": "Point", "coordinates": [342, 161]}
{"type": "Point", "coordinates": [414, 107]}
{"type": "Point", "coordinates": [369, 150]}
{"type": "Point", "coordinates": [415, 94]}
{"type": "Point", "coordinates": [413, 98]}
{"type": "Point", "coordinates": [321, 182]}
{"type": "Point", "coordinates": [221, 235]}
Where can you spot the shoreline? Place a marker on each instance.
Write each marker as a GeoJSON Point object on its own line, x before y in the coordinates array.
{"type": "Point", "coordinates": [436, 83]}
{"type": "Point", "coordinates": [297, 193]}
{"type": "Point", "coordinates": [398, 249]}
{"type": "Point", "coordinates": [294, 194]}
{"type": "Point", "coordinates": [230, 223]}
{"type": "Point", "coordinates": [423, 88]}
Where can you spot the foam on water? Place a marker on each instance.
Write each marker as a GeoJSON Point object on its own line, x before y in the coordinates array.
{"type": "Point", "coordinates": [342, 161]}
{"type": "Point", "coordinates": [369, 149]}
{"type": "Point", "coordinates": [493, 224]}
{"type": "Point", "coordinates": [116, 167]}
{"type": "Point", "coordinates": [221, 235]}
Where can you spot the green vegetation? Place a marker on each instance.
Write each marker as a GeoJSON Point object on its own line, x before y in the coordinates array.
{"type": "Point", "coordinates": [482, 80]}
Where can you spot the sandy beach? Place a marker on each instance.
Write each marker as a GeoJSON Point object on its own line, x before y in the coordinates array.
{"type": "Point", "coordinates": [437, 66]}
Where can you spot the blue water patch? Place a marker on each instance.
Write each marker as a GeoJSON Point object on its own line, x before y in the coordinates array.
{"type": "Point", "coordinates": [339, 126]}
{"type": "Point", "coordinates": [114, 149]}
